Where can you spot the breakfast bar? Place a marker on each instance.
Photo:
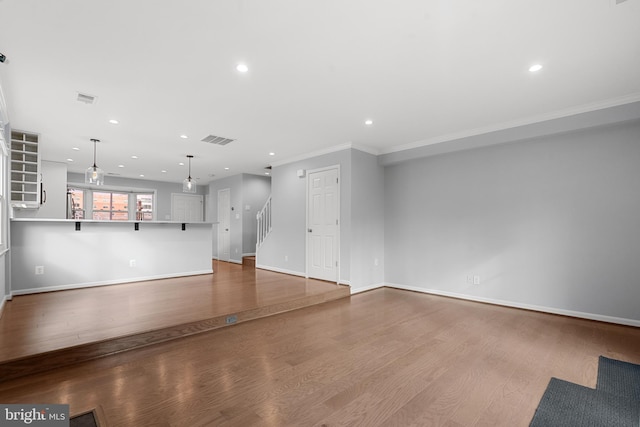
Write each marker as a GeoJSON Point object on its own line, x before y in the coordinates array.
{"type": "Point", "coordinates": [56, 254]}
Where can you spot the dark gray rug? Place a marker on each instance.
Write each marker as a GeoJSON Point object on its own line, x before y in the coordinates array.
{"type": "Point", "coordinates": [566, 404]}
{"type": "Point", "coordinates": [84, 420]}
{"type": "Point", "coordinates": [618, 377]}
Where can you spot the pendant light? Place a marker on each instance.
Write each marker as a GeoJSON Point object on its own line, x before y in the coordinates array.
{"type": "Point", "coordinates": [189, 184]}
{"type": "Point", "coordinates": [94, 175]}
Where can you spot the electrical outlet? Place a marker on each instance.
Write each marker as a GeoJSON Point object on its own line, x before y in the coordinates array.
{"type": "Point", "coordinates": [39, 269]}
{"type": "Point", "coordinates": [132, 263]}
{"type": "Point", "coordinates": [286, 258]}
{"type": "Point", "coordinates": [230, 320]}
{"type": "Point", "coordinates": [469, 280]}
{"type": "Point", "coordinates": [376, 262]}
{"type": "Point", "coordinates": [476, 280]}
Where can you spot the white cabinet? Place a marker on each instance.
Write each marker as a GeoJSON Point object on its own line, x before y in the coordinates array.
{"type": "Point", "coordinates": [25, 170]}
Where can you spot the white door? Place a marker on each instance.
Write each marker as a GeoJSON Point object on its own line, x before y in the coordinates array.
{"type": "Point", "coordinates": [322, 224]}
{"type": "Point", "coordinates": [224, 216]}
{"type": "Point", "coordinates": [186, 207]}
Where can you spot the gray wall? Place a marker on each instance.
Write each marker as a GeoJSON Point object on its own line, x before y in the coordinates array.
{"type": "Point", "coordinates": [164, 191]}
{"type": "Point", "coordinates": [246, 190]}
{"type": "Point", "coordinates": [288, 198]}
{"type": "Point", "coordinates": [552, 222]}
{"type": "Point", "coordinates": [367, 221]}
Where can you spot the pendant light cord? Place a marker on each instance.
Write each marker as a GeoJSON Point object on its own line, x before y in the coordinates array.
{"type": "Point", "coordinates": [95, 141]}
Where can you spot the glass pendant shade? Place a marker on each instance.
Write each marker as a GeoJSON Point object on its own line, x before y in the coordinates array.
{"type": "Point", "coordinates": [189, 184]}
{"type": "Point", "coordinates": [94, 175]}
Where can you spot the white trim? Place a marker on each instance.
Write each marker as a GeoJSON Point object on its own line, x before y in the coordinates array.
{"type": "Point", "coordinates": [249, 254]}
{"type": "Point", "coordinates": [280, 270]}
{"type": "Point", "coordinates": [4, 299]}
{"type": "Point", "coordinates": [364, 148]}
{"type": "Point", "coordinates": [235, 261]}
{"type": "Point", "coordinates": [586, 108]}
{"type": "Point", "coordinates": [345, 282]}
{"type": "Point", "coordinates": [328, 150]}
{"type": "Point", "coordinates": [106, 283]}
{"type": "Point", "coordinates": [551, 310]}
{"type": "Point", "coordinates": [367, 288]}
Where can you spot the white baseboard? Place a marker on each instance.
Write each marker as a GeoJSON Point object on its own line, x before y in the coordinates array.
{"type": "Point", "coordinates": [105, 283]}
{"type": "Point", "coordinates": [543, 309]}
{"type": "Point", "coordinates": [366, 288]}
{"type": "Point", "coordinates": [280, 270]}
{"type": "Point", "coordinates": [344, 282]}
{"type": "Point", "coordinates": [249, 254]}
{"type": "Point", "coordinates": [235, 261]}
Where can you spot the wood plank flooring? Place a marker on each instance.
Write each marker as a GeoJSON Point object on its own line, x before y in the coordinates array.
{"type": "Point", "coordinates": [381, 358]}
{"type": "Point", "coordinates": [42, 331]}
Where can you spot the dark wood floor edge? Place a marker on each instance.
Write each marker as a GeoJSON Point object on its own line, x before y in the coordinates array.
{"type": "Point", "coordinates": [515, 306]}
{"type": "Point", "coordinates": [98, 415]}
{"type": "Point", "coordinates": [42, 362]}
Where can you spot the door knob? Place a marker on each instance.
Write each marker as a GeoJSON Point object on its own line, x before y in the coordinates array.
{"type": "Point", "coordinates": [310, 230]}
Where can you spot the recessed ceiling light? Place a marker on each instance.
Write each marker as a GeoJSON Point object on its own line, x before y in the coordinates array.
{"type": "Point", "coordinates": [120, 166]}
{"type": "Point", "coordinates": [242, 68]}
{"type": "Point", "coordinates": [134, 157]}
{"type": "Point", "coordinates": [272, 154]}
{"type": "Point", "coordinates": [184, 136]}
{"type": "Point", "coordinates": [226, 169]}
{"type": "Point", "coordinates": [75, 149]}
{"type": "Point", "coordinates": [535, 67]}
{"type": "Point", "coordinates": [181, 164]}
{"type": "Point", "coordinates": [368, 122]}
{"type": "Point", "coordinates": [163, 171]}
{"type": "Point", "coordinates": [69, 160]}
{"type": "Point", "coordinates": [267, 173]}
{"type": "Point", "coordinates": [141, 176]}
{"type": "Point", "coordinates": [113, 122]}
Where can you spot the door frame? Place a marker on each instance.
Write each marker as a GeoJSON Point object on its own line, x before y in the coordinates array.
{"type": "Point", "coordinates": [338, 229]}
{"type": "Point", "coordinates": [220, 225]}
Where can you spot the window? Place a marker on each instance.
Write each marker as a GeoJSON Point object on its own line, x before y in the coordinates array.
{"type": "Point", "coordinates": [110, 206]}
{"type": "Point", "coordinates": [144, 207]}
{"type": "Point", "coordinates": [77, 203]}
{"type": "Point", "coordinates": [116, 205]}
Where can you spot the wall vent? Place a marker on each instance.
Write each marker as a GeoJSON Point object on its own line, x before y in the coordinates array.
{"type": "Point", "coordinates": [87, 99]}
{"type": "Point", "coordinates": [217, 140]}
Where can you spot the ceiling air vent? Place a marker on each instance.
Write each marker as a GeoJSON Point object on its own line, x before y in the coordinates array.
{"type": "Point", "coordinates": [217, 140]}
{"type": "Point", "coordinates": [87, 99]}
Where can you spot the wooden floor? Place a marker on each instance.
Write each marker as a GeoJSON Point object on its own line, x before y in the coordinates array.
{"type": "Point", "coordinates": [41, 331]}
{"type": "Point", "coordinates": [381, 358]}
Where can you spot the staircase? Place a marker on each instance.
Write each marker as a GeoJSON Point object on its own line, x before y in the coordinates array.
{"type": "Point", "coordinates": [264, 226]}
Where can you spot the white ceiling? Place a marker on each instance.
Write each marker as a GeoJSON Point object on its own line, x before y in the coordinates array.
{"type": "Point", "coordinates": [422, 70]}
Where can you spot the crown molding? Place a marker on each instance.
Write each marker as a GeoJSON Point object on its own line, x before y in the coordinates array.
{"type": "Point", "coordinates": [567, 112]}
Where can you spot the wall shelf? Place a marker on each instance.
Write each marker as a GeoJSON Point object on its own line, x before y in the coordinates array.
{"type": "Point", "coordinates": [25, 170]}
